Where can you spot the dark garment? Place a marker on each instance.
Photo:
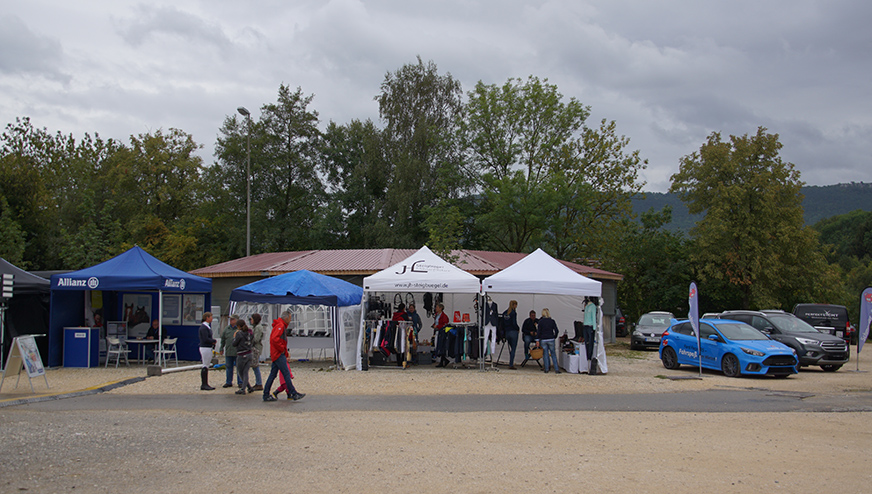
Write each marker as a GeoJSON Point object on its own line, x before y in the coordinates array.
{"type": "Point", "coordinates": [205, 334]}
{"type": "Point", "coordinates": [152, 333]}
{"type": "Point", "coordinates": [511, 320]}
{"type": "Point", "coordinates": [243, 341]}
{"type": "Point", "coordinates": [588, 333]}
{"type": "Point", "coordinates": [512, 340]}
{"type": "Point", "coordinates": [416, 321]}
{"type": "Point", "coordinates": [528, 340]}
{"type": "Point", "coordinates": [547, 329]}
{"type": "Point", "coordinates": [279, 365]}
{"type": "Point", "coordinates": [529, 327]}
{"type": "Point", "coordinates": [492, 314]}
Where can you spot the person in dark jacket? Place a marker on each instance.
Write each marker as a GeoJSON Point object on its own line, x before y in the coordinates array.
{"type": "Point", "coordinates": [546, 335]}
{"type": "Point", "coordinates": [243, 341]}
{"type": "Point", "coordinates": [207, 343]}
{"type": "Point", "coordinates": [229, 351]}
{"type": "Point", "coordinates": [529, 332]}
{"type": "Point", "coordinates": [510, 322]}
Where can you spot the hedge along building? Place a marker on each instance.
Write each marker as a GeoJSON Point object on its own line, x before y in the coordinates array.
{"type": "Point", "coordinates": [353, 265]}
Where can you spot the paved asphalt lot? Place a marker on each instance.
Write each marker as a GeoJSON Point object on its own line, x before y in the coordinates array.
{"type": "Point", "coordinates": [712, 401]}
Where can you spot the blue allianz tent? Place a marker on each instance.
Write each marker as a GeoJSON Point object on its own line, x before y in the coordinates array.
{"type": "Point", "coordinates": [307, 288]}
{"type": "Point", "coordinates": [134, 271]}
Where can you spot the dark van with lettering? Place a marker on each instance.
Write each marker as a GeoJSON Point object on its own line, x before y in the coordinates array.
{"type": "Point", "coordinates": [828, 318]}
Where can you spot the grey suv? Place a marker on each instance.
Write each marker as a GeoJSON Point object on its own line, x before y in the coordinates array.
{"type": "Point", "coordinates": [646, 333]}
{"type": "Point", "coordinates": [812, 346]}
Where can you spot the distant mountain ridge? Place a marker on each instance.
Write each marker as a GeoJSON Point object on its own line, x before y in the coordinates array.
{"type": "Point", "coordinates": [821, 202]}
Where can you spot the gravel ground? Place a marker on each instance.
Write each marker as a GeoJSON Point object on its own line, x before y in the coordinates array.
{"type": "Point", "coordinates": [136, 451]}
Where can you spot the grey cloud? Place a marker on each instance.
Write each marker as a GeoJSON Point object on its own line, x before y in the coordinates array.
{"type": "Point", "coordinates": [151, 22]}
{"type": "Point", "coordinates": [24, 52]}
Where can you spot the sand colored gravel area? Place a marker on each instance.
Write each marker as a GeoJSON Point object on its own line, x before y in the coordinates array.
{"type": "Point", "coordinates": [629, 372]}
{"type": "Point", "coordinates": [282, 450]}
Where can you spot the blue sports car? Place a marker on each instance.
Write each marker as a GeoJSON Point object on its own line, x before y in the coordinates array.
{"type": "Point", "coordinates": [730, 346]}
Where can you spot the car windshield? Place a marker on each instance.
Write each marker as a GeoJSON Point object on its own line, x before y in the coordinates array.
{"type": "Point", "coordinates": [740, 331]}
{"type": "Point", "coordinates": [791, 324]}
{"type": "Point", "coordinates": [662, 320]}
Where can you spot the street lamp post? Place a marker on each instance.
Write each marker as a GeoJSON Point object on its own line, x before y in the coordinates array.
{"type": "Point", "coordinates": [245, 113]}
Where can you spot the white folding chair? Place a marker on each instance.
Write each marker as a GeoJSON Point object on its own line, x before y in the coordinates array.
{"type": "Point", "coordinates": [167, 348]}
{"type": "Point", "coordinates": [114, 346]}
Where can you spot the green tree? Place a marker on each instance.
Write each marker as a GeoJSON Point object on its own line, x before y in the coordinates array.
{"type": "Point", "coordinates": [751, 243]}
{"type": "Point", "coordinates": [546, 177]}
{"type": "Point", "coordinates": [286, 192]}
{"type": "Point", "coordinates": [26, 157]}
{"type": "Point", "coordinates": [421, 111]}
{"type": "Point", "coordinates": [655, 264]}
{"type": "Point", "coordinates": [358, 173]}
{"type": "Point", "coordinates": [12, 241]}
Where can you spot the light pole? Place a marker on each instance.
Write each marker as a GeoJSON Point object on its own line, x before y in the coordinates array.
{"type": "Point", "coordinates": [245, 113]}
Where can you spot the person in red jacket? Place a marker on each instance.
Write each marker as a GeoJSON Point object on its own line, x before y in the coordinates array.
{"type": "Point", "coordinates": [278, 352]}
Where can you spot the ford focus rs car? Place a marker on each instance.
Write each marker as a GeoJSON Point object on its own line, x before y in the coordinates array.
{"type": "Point", "coordinates": [732, 347]}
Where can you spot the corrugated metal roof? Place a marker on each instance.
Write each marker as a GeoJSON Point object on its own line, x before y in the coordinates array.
{"type": "Point", "coordinates": [369, 261]}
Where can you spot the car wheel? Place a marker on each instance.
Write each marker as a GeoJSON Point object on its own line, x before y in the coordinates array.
{"type": "Point", "coordinates": [669, 358]}
{"type": "Point", "coordinates": [831, 367]}
{"type": "Point", "coordinates": [730, 366]}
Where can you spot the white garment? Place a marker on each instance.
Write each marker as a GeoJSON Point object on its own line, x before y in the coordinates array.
{"type": "Point", "coordinates": [206, 356]}
{"type": "Point", "coordinates": [490, 338]}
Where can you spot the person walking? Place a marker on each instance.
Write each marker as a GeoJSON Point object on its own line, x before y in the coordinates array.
{"type": "Point", "coordinates": [547, 334]}
{"type": "Point", "coordinates": [243, 341]}
{"type": "Point", "coordinates": [207, 343]}
{"type": "Point", "coordinates": [258, 328]}
{"type": "Point", "coordinates": [278, 352]}
{"type": "Point", "coordinates": [510, 323]}
{"type": "Point", "coordinates": [229, 351]}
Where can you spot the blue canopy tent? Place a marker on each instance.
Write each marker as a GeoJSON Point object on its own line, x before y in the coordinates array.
{"type": "Point", "coordinates": [308, 288]}
{"type": "Point", "coordinates": [132, 271]}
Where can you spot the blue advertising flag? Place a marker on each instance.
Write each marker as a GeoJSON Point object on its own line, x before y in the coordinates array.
{"type": "Point", "coordinates": [693, 315]}
{"type": "Point", "coordinates": [865, 317]}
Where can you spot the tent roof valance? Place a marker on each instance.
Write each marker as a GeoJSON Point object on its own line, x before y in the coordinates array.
{"type": "Point", "coordinates": [423, 271]}
{"type": "Point", "coordinates": [301, 288]}
{"type": "Point", "coordinates": [541, 273]}
{"type": "Point", "coordinates": [132, 270]}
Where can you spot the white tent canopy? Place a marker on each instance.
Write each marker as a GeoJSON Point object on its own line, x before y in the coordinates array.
{"type": "Point", "coordinates": [538, 281]}
{"type": "Point", "coordinates": [541, 273]}
{"type": "Point", "coordinates": [423, 271]}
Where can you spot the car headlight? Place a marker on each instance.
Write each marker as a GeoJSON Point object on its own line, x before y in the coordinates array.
{"type": "Point", "coordinates": [637, 333]}
{"type": "Point", "coordinates": [753, 352]}
{"type": "Point", "coordinates": [806, 341]}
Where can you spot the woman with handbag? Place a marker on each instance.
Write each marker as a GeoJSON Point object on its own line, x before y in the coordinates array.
{"type": "Point", "coordinates": [547, 334]}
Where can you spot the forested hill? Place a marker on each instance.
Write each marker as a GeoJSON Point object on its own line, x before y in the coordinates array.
{"type": "Point", "coordinates": [821, 201]}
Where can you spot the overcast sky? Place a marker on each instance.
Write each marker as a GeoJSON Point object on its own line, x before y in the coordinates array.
{"type": "Point", "coordinates": [668, 72]}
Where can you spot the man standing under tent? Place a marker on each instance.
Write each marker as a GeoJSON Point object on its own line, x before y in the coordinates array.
{"type": "Point", "coordinates": [415, 318]}
{"type": "Point", "coordinates": [207, 343]}
{"type": "Point", "coordinates": [278, 352]}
